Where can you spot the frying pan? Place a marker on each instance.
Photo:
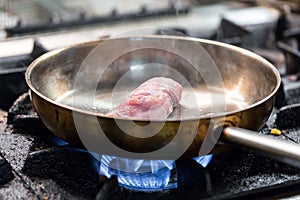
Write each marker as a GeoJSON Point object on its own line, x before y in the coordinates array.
{"type": "Point", "coordinates": [252, 80]}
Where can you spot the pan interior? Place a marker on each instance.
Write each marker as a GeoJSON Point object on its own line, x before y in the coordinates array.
{"type": "Point", "coordinates": [246, 79]}
{"type": "Point", "coordinates": [198, 103]}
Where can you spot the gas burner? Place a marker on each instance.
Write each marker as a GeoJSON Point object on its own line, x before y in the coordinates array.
{"type": "Point", "coordinates": [144, 175]}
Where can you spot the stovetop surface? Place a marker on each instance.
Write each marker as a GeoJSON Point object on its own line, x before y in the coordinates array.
{"type": "Point", "coordinates": [35, 167]}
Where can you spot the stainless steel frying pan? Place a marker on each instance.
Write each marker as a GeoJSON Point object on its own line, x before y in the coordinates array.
{"type": "Point", "coordinates": [69, 113]}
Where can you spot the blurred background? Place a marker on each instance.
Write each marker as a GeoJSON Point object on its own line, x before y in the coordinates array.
{"type": "Point", "coordinates": [30, 28]}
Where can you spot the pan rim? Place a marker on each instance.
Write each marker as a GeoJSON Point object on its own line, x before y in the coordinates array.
{"type": "Point", "coordinates": [200, 40]}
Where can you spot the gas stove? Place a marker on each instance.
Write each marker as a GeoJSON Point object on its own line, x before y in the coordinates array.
{"type": "Point", "coordinates": [37, 165]}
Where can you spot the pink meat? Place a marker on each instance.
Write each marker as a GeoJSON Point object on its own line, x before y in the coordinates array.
{"type": "Point", "coordinates": [154, 99]}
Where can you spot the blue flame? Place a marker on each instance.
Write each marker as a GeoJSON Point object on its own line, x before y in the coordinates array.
{"type": "Point", "coordinates": [143, 175]}
{"type": "Point", "coordinates": [105, 160]}
{"type": "Point", "coordinates": [204, 160]}
{"type": "Point", "coordinates": [146, 175]}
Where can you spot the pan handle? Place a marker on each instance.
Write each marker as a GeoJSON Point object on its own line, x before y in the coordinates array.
{"type": "Point", "coordinates": [280, 150]}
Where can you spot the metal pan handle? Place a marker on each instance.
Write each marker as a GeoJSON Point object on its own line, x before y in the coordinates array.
{"type": "Point", "coordinates": [280, 150]}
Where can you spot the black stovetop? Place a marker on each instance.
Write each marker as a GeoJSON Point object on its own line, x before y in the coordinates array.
{"type": "Point", "coordinates": [34, 166]}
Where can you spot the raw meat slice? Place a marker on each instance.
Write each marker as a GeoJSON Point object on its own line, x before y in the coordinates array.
{"type": "Point", "coordinates": [154, 99]}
